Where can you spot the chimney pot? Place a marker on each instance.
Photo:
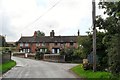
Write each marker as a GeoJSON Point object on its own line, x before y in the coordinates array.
{"type": "Point", "coordinates": [52, 33]}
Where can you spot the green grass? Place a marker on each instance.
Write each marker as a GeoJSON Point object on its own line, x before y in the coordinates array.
{"type": "Point", "coordinates": [89, 74]}
{"type": "Point", "coordinates": [7, 66]}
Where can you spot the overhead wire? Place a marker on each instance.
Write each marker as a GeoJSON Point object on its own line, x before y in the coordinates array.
{"type": "Point", "coordinates": [29, 25]}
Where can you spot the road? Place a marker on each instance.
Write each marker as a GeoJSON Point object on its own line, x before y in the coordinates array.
{"type": "Point", "coordinates": [28, 68]}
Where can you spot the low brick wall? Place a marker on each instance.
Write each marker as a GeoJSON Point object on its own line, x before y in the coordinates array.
{"type": "Point", "coordinates": [54, 57]}
{"type": "Point", "coordinates": [18, 54]}
{"type": "Point", "coordinates": [31, 56]}
{"type": "Point", "coordinates": [46, 57]}
{"type": "Point", "coordinates": [22, 55]}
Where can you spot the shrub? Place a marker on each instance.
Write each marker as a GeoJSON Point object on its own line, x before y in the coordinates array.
{"type": "Point", "coordinates": [39, 55]}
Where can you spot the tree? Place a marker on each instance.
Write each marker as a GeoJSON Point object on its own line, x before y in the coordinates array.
{"type": "Point", "coordinates": [40, 33]}
{"type": "Point", "coordinates": [85, 45]}
{"type": "Point", "coordinates": [2, 41]}
{"type": "Point", "coordinates": [111, 25]}
{"type": "Point", "coordinates": [86, 48]}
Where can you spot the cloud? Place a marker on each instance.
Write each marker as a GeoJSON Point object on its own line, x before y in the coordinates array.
{"type": "Point", "coordinates": [65, 18]}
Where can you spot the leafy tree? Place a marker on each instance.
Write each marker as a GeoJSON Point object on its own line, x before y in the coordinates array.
{"type": "Point", "coordinates": [39, 55]}
{"type": "Point", "coordinates": [111, 25]}
{"type": "Point", "coordinates": [101, 50]}
{"type": "Point", "coordinates": [40, 33]}
{"type": "Point", "coordinates": [71, 54]}
{"type": "Point", "coordinates": [85, 45]}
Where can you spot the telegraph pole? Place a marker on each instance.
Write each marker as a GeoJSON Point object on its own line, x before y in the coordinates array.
{"type": "Point", "coordinates": [94, 34]}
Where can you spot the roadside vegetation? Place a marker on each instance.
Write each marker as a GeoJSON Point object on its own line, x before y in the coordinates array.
{"type": "Point", "coordinates": [107, 43]}
{"type": "Point", "coordinates": [90, 75]}
{"type": "Point", "coordinates": [5, 55]}
{"type": "Point", "coordinates": [7, 66]}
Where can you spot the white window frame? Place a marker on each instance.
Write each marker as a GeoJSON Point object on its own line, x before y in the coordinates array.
{"type": "Point", "coordinates": [37, 44]}
{"type": "Point", "coordinates": [41, 50]}
{"type": "Point", "coordinates": [26, 44]}
{"type": "Point", "coordinates": [43, 44]}
{"type": "Point", "coordinates": [45, 50]}
{"type": "Point", "coordinates": [58, 50]}
{"type": "Point", "coordinates": [53, 51]}
{"type": "Point", "coordinates": [21, 44]}
{"type": "Point", "coordinates": [28, 50]}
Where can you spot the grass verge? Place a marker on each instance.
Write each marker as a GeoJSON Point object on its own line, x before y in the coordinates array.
{"type": "Point", "coordinates": [89, 74]}
{"type": "Point", "coordinates": [7, 66]}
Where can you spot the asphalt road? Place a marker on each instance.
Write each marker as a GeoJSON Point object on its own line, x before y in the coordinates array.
{"type": "Point", "coordinates": [27, 68]}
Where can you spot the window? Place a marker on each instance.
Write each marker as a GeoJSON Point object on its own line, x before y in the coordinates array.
{"type": "Point", "coordinates": [21, 44]}
{"type": "Point", "coordinates": [40, 50]}
{"type": "Point", "coordinates": [37, 44]}
{"type": "Point", "coordinates": [43, 50]}
{"type": "Point", "coordinates": [28, 50]}
{"type": "Point", "coordinates": [26, 44]}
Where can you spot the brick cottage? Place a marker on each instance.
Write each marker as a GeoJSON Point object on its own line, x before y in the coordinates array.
{"type": "Point", "coordinates": [52, 43]}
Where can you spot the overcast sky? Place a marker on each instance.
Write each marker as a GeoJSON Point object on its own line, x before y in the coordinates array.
{"type": "Point", "coordinates": [26, 16]}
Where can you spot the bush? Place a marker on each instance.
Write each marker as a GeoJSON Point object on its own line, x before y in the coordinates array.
{"type": "Point", "coordinates": [39, 55]}
{"type": "Point", "coordinates": [71, 55]}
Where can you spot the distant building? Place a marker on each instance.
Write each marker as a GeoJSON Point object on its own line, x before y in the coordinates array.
{"type": "Point", "coordinates": [11, 44]}
{"type": "Point", "coordinates": [50, 43]}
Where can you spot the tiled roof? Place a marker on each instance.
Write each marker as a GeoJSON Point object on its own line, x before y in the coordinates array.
{"type": "Point", "coordinates": [49, 39]}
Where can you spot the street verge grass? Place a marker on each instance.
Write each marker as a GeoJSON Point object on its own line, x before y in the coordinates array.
{"type": "Point", "coordinates": [7, 66]}
{"type": "Point", "coordinates": [89, 74]}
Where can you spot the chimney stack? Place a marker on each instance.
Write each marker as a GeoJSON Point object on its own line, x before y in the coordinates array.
{"type": "Point", "coordinates": [52, 34]}
{"type": "Point", "coordinates": [35, 34]}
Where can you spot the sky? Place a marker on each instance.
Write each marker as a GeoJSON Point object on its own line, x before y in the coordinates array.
{"type": "Point", "coordinates": [23, 17]}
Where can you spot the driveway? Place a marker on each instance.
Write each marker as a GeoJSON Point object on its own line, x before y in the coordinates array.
{"type": "Point", "coordinates": [28, 68]}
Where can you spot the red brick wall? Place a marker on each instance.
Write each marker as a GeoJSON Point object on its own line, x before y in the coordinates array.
{"type": "Point", "coordinates": [18, 47]}
{"type": "Point", "coordinates": [33, 47]}
{"type": "Point", "coordinates": [49, 46]}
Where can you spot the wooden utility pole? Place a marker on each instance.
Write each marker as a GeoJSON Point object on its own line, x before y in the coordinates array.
{"type": "Point", "coordinates": [94, 34]}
